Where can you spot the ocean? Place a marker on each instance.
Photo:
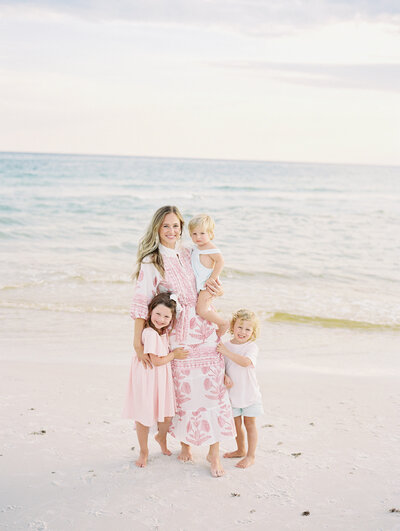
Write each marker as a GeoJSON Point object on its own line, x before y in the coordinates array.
{"type": "Point", "coordinates": [305, 245]}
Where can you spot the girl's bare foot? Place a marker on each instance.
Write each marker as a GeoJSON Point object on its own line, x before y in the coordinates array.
{"type": "Point", "coordinates": [217, 469]}
{"type": "Point", "coordinates": [247, 461]}
{"type": "Point", "coordinates": [142, 459]}
{"type": "Point", "coordinates": [222, 328]}
{"type": "Point", "coordinates": [162, 441]}
{"type": "Point", "coordinates": [186, 454]}
{"type": "Point", "coordinates": [236, 453]}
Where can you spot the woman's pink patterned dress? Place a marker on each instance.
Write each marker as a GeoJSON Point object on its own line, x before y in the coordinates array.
{"type": "Point", "coordinates": [204, 413]}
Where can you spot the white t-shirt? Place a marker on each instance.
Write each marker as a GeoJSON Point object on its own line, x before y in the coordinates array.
{"type": "Point", "coordinates": [245, 391]}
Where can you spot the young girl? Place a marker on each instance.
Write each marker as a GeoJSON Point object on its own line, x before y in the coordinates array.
{"type": "Point", "coordinates": [240, 362]}
{"type": "Point", "coordinates": [151, 395]}
{"type": "Point", "coordinates": [207, 262]}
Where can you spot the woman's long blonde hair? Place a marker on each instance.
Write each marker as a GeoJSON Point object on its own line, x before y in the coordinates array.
{"type": "Point", "coordinates": [149, 244]}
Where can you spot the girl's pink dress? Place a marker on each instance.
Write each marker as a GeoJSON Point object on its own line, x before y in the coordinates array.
{"type": "Point", "coordinates": [203, 411]}
{"type": "Point", "coordinates": [151, 395]}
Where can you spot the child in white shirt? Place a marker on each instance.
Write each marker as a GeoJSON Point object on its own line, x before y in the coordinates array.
{"type": "Point", "coordinates": [207, 263]}
{"type": "Point", "coordinates": [246, 400]}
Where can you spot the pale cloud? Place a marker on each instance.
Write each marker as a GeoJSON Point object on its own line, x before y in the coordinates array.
{"type": "Point", "coordinates": [257, 17]}
{"type": "Point", "coordinates": [353, 76]}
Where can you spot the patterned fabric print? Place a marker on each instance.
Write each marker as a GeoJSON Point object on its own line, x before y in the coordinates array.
{"type": "Point", "coordinates": [204, 414]}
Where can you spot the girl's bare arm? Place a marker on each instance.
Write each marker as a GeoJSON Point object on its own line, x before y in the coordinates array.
{"type": "Point", "coordinates": [179, 353]}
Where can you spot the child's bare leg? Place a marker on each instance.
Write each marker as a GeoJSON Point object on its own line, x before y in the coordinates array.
{"type": "Point", "coordinates": [213, 458]}
{"type": "Point", "coordinates": [142, 435]}
{"type": "Point", "coordinates": [186, 453]}
{"type": "Point", "coordinates": [203, 309]}
{"type": "Point", "coordinates": [161, 436]}
{"type": "Point", "coordinates": [241, 446]}
{"type": "Point", "coordinates": [251, 428]}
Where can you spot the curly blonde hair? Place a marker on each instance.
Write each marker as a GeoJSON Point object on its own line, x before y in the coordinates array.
{"type": "Point", "coordinates": [204, 221]}
{"type": "Point", "coordinates": [149, 244]}
{"type": "Point", "coordinates": [246, 315]}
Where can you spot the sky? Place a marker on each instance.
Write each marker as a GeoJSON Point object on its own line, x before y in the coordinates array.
{"type": "Point", "coordinates": [287, 80]}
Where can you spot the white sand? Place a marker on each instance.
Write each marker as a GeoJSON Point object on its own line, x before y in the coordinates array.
{"type": "Point", "coordinates": [328, 444]}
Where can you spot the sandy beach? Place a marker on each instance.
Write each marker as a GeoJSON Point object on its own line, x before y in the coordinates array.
{"type": "Point", "coordinates": [327, 456]}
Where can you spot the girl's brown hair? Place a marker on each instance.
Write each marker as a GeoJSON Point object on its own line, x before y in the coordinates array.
{"type": "Point", "coordinates": [246, 315]}
{"type": "Point", "coordinates": [149, 244]}
{"type": "Point", "coordinates": [165, 299]}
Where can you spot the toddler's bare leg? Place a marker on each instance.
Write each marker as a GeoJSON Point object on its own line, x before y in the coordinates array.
{"type": "Point", "coordinates": [241, 446]}
{"type": "Point", "coordinates": [142, 435]}
{"type": "Point", "coordinates": [251, 428]}
{"type": "Point", "coordinates": [203, 309]}
{"type": "Point", "coordinates": [161, 436]}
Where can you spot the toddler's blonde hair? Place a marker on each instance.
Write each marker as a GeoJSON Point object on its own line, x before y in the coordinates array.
{"type": "Point", "coordinates": [246, 315]}
{"type": "Point", "coordinates": [202, 220]}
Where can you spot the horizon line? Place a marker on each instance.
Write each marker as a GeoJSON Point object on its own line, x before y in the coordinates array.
{"type": "Point", "coordinates": [173, 157]}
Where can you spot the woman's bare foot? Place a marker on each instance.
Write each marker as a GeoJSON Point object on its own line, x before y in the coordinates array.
{"type": "Point", "coordinates": [222, 328]}
{"type": "Point", "coordinates": [162, 441]}
{"type": "Point", "coordinates": [247, 461]}
{"type": "Point", "coordinates": [236, 453]}
{"type": "Point", "coordinates": [217, 469]}
{"type": "Point", "coordinates": [142, 459]}
{"type": "Point", "coordinates": [186, 454]}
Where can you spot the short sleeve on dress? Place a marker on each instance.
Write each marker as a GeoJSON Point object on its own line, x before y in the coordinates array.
{"type": "Point", "coordinates": [144, 291]}
{"type": "Point", "coordinates": [150, 341]}
{"type": "Point", "coordinates": [252, 353]}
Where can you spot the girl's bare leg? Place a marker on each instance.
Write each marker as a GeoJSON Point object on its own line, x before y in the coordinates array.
{"type": "Point", "coordinates": [202, 309]}
{"type": "Point", "coordinates": [142, 435]}
{"type": "Point", "coordinates": [161, 436]}
{"type": "Point", "coordinates": [251, 428]}
{"type": "Point", "coordinates": [186, 453]}
{"type": "Point", "coordinates": [241, 446]}
{"type": "Point", "coordinates": [213, 458]}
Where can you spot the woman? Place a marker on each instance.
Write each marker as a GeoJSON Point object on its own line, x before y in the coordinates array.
{"type": "Point", "coordinates": [204, 414]}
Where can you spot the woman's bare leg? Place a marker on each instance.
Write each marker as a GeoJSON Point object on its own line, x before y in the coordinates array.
{"type": "Point", "coordinates": [241, 446]}
{"type": "Point", "coordinates": [161, 436]}
{"type": "Point", "coordinates": [202, 309]}
{"type": "Point", "coordinates": [213, 458]}
{"type": "Point", "coordinates": [251, 428]}
{"type": "Point", "coordinates": [142, 435]}
{"type": "Point", "coordinates": [186, 453]}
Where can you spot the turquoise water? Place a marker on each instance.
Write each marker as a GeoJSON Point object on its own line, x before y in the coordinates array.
{"type": "Point", "coordinates": [303, 243]}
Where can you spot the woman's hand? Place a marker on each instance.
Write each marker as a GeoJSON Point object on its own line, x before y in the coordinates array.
{"type": "Point", "coordinates": [214, 287]}
{"type": "Point", "coordinates": [180, 353]}
{"type": "Point", "coordinates": [144, 358]}
{"type": "Point", "coordinates": [228, 381]}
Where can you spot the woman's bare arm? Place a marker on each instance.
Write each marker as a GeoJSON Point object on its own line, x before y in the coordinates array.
{"type": "Point", "coordinates": [138, 345]}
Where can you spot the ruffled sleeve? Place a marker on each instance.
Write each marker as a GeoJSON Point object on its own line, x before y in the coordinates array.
{"type": "Point", "coordinates": [144, 291]}
{"type": "Point", "coordinates": [153, 343]}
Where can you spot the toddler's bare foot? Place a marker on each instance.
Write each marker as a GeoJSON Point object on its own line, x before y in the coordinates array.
{"type": "Point", "coordinates": [236, 453]}
{"type": "Point", "coordinates": [186, 454]}
{"type": "Point", "coordinates": [162, 441]}
{"type": "Point", "coordinates": [222, 328]}
{"type": "Point", "coordinates": [247, 461]}
{"type": "Point", "coordinates": [216, 468]}
{"type": "Point", "coordinates": [142, 459]}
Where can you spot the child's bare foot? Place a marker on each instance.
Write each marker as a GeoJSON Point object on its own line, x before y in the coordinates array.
{"type": "Point", "coordinates": [236, 453]}
{"type": "Point", "coordinates": [247, 461]}
{"type": "Point", "coordinates": [217, 469]}
{"type": "Point", "coordinates": [142, 459]}
{"type": "Point", "coordinates": [222, 328]}
{"type": "Point", "coordinates": [162, 441]}
{"type": "Point", "coordinates": [186, 454]}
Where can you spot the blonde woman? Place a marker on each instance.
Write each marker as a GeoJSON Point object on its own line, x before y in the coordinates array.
{"type": "Point", "coordinates": [204, 415]}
